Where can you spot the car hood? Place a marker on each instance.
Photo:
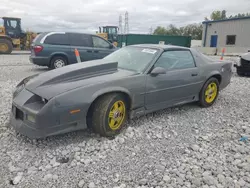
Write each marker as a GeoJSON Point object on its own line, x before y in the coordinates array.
{"type": "Point", "coordinates": [55, 82]}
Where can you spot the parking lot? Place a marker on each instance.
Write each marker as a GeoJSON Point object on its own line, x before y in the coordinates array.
{"type": "Point", "coordinates": [184, 146]}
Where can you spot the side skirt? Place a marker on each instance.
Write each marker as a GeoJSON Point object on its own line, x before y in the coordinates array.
{"type": "Point", "coordinates": [143, 111]}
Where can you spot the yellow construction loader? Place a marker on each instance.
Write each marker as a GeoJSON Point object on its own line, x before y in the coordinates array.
{"type": "Point", "coordinates": [109, 33]}
{"type": "Point", "coordinates": [12, 36]}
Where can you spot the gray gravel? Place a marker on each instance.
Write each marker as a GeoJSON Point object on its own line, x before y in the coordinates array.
{"type": "Point", "coordinates": [185, 146]}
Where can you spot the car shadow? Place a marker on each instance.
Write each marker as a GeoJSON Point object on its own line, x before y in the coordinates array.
{"type": "Point", "coordinates": [40, 69]}
{"type": "Point", "coordinates": [20, 53]}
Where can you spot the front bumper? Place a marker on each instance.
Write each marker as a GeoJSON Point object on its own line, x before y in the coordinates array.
{"type": "Point", "coordinates": [49, 120]}
{"type": "Point", "coordinates": [28, 129]}
{"type": "Point", "coordinates": [25, 129]}
{"type": "Point", "coordinates": [242, 70]}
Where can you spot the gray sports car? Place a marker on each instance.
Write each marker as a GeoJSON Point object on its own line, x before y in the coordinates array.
{"type": "Point", "coordinates": [102, 94]}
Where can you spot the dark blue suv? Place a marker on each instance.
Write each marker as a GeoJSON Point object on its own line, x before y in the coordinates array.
{"type": "Point", "coordinates": [57, 49]}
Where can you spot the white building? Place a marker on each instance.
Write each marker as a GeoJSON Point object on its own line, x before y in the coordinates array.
{"type": "Point", "coordinates": [234, 32]}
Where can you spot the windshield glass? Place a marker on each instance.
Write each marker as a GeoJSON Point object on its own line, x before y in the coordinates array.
{"type": "Point", "coordinates": [132, 58]}
{"type": "Point", "coordinates": [1, 22]}
{"type": "Point", "coordinates": [112, 30]}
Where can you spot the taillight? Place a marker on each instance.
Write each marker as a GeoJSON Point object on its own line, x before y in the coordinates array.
{"type": "Point", "coordinates": [37, 49]}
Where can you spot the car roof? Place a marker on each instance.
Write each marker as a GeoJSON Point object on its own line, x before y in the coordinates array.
{"type": "Point", "coordinates": [47, 32]}
{"type": "Point", "coordinates": [74, 32]}
{"type": "Point", "coordinates": [160, 46]}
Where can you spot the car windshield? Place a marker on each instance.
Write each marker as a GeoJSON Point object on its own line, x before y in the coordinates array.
{"type": "Point", "coordinates": [132, 58]}
{"type": "Point", "coordinates": [112, 30]}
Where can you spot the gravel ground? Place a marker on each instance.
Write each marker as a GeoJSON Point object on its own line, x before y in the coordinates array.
{"type": "Point", "coordinates": [184, 146]}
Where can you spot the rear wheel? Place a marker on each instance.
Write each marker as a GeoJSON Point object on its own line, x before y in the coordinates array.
{"type": "Point", "coordinates": [5, 46]}
{"type": "Point", "coordinates": [58, 62]}
{"type": "Point", "coordinates": [109, 114]}
{"type": "Point", "coordinates": [209, 92]}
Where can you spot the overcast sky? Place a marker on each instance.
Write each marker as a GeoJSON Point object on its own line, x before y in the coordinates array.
{"type": "Point", "coordinates": [88, 15]}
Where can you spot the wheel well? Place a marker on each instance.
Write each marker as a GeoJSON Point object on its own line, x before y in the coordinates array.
{"type": "Point", "coordinates": [59, 55]}
{"type": "Point", "coordinates": [218, 77]}
{"type": "Point", "coordinates": [90, 110]}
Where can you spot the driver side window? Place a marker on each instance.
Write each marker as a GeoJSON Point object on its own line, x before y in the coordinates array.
{"type": "Point", "coordinates": [172, 60]}
{"type": "Point", "coordinates": [99, 43]}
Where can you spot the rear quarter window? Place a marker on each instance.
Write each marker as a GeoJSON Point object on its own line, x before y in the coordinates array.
{"type": "Point", "coordinates": [57, 39]}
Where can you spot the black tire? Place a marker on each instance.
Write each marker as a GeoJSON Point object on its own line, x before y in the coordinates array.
{"type": "Point", "coordinates": [100, 114]}
{"type": "Point", "coordinates": [9, 46]}
{"type": "Point", "coordinates": [202, 98]}
{"type": "Point", "coordinates": [55, 59]}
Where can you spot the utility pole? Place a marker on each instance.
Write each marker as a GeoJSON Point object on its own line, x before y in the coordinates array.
{"type": "Point", "coordinates": [120, 24]}
{"type": "Point", "coordinates": [151, 30]}
{"type": "Point", "coordinates": [126, 28]}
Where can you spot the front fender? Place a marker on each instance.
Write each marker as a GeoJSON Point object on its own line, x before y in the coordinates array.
{"type": "Point", "coordinates": [84, 96]}
{"type": "Point", "coordinates": [110, 90]}
{"type": "Point", "coordinates": [215, 72]}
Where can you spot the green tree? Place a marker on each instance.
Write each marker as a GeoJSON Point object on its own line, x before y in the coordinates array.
{"type": "Point", "coordinates": [172, 30]}
{"type": "Point", "coordinates": [239, 15]}
{"type": "Point", "coordinates": [160, 31]}
{"type": "Point", "coordinates": [194, 30]}
{"type": "Point", "coordinates": [216, 15]}
{"type": "Point", "coordinates": [219, 15]}
{"type": "Point", "coordinates": [224, 14]}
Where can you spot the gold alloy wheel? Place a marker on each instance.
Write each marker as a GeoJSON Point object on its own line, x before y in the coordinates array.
{"type": "Point", "coordinates": [211, 92]}
{"type": "Point", "coordinates": [117, 115]}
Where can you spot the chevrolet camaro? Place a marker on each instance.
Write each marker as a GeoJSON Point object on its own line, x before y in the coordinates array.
{"type": "Point", "coordinates": [102, 94]}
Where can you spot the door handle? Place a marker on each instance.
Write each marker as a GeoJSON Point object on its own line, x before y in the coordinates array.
{"type": "Point", "coordinates": [96, 51]}
{"type": "Point", "coordinates": [194, 74]}
{"type": "Point", "coordinates": [90, 51]}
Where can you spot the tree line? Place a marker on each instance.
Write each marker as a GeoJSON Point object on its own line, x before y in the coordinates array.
{"type": "Point", "coordinates": [195, 30]}
{"type": "Point", "coordinates": [222, 15]}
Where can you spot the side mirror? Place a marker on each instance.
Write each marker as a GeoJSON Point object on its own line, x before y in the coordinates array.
{"type": "Point", "coordinates": [158, 70]}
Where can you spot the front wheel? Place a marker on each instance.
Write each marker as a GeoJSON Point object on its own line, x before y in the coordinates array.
{"type": "Point", "coordinates": [209, 92]}
{"type": "Point", "coordinates": [5, 46]}
{"type": "Point", "coordinates": [109, 114]}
